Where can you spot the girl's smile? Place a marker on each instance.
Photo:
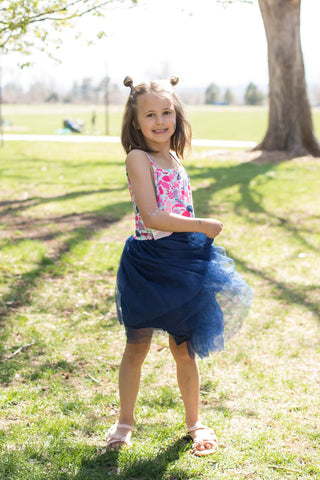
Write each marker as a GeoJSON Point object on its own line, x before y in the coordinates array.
{"type": "Point", "coordinates": [156, 118]}
{"type": "Point", "coordinates": [161, 131]}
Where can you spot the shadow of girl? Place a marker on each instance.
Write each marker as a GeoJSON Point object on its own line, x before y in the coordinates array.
{"type": "Point", "coordinates": [136, 467]}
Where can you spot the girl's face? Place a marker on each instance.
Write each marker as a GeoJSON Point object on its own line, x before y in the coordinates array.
{"type": "Point", "coordinates": [156, 117]}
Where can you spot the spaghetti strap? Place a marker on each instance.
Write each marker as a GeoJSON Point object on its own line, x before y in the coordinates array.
{"type": "Point", "coordinates": [176, 159]}
{"type": "Point", "coordinates": [157, 168]}
{"type": "Point", "coordinates": [150, 160]}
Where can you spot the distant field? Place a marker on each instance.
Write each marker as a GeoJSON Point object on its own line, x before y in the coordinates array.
{"type": "Point", "coordinates": [46, 119]}
{"type": "Point", "coordinates": [209, 122]}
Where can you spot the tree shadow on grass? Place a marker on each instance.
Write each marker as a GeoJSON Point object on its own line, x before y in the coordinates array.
{"type": "Point", "coordinates": [94, 465]}
{"type": "Point", "coordinates": [78, 228]}
{"type": "Point", "coordinates": [20, 205]}
{"type": "Point", "coordinates": [248, 202]}
{"type": "Point", "coordinates": [225, 177]}
{"type": "Point", "coordinates": [248, 199]}
{"type": "Point", "coordinates": [137, 468]}
{"type": "Point", "coordinates": [289, 292]}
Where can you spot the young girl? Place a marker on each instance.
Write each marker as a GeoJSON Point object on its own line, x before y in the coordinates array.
{"type": "Point", "coordinates": [170, 277]}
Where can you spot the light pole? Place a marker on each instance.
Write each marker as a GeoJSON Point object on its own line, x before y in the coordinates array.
{"type": "Point", "coordinates": [1, 120]}
{"type": "Point", "coordinates": [106, 102]}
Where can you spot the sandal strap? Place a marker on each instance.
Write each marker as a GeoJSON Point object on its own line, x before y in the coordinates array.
{"type": "Point", "coordinates": [124, 425]}
{"type": "Point", "coordinates": [197, 426]}
{"type": "Point", "coordinates": [112, 430]}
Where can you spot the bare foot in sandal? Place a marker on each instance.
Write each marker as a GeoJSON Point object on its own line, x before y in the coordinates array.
{"type": "Point", "coordinates": [204, 440]}
{"type": "Point", "coordinates": [119, 436]}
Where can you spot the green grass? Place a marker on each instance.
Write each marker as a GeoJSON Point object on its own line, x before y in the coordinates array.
{"type": "Point", "coordinates": [208, 122]}
{"type": "Point", "coordinates": [231, 123]}
{"type": "Point", "coordinates": [65, 214]}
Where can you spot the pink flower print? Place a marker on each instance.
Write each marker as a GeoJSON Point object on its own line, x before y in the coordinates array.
{"type": "Point", "coordinates": [176, 211]}
{"type": "Point", "coordinates": [140, 225]}
{"type": "Point", "coordinates": [177, 206]}
{"type": "Point", "coordinates": [165, 185]}
{"type": "Point", "coordinates": [167, 206]}
{"type": "Point", "coordinates": [186, 214]}
{"type": "Point", "coordinates": [169, 194]}
{"type": "Point", "coordinates": [167, 178]}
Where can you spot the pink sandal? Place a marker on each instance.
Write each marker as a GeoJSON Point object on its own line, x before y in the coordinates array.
{"type": "Point", "coordinates": [208, 438]}
{"type": "Point", "coordinates": [114, 437]}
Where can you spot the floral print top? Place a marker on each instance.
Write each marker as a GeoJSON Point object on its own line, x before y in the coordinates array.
{"type": "Point", "coordinates": [173, 192]}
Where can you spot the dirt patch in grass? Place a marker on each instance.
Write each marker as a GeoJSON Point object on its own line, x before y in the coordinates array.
{"type": "Point", "coordinates": [255, 156]}
{"type": "Point", "coordinates": [45, 228]}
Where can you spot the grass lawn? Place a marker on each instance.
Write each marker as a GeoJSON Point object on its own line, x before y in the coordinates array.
{"type": "Point", "coordinates": [65, 214]}
{"type": "Point", "coordinates": [208, 122]}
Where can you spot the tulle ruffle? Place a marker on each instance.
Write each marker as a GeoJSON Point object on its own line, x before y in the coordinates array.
{"type": "Point", "coordinates": [185, 285]}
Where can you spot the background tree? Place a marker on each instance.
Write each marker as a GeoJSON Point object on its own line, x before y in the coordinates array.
{"type": "Point", "coordinates": [87, 90]}
{"type": "Point", "coordinates": [290, 123]}
{"type": "Point", "coordinates": [212, 94]}
{"type": "Point", "coordinates": [253, 96]}
{"type": "Point", "coordinates": [13, 93]}
{"type": "Point", "coordinates": [290, 126]}
{"type": "Point", "coordinates": [228, 96]}
{"type": "Point", "coordinates": [37, 92]}
{"type": "Point", "coordinates": [53, 97]}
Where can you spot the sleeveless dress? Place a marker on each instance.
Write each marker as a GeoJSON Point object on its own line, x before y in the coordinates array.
{"type": "Point", "coordinates": [179, 282]}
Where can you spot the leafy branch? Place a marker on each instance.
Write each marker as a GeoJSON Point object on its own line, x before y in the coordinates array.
{"type": "Point", "coordinates": [21, 18]}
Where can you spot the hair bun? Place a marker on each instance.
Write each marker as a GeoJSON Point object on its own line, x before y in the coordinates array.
{"type": "Point", "coordinates": [128, 82]}
{"type": "Point", "coordinates": [174, 81]}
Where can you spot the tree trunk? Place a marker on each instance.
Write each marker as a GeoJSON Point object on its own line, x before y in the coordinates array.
{"type": "Point", "coordinates": [290, 123]}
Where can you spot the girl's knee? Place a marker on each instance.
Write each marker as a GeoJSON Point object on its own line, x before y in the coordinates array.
{"type": "Point", "coordinates": [135, 353]}
{"type": "Point", "coordinates": [180, 352]}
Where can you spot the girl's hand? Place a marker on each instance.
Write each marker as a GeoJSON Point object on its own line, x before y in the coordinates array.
{"type": "Point", "coordinates": [211, 227]}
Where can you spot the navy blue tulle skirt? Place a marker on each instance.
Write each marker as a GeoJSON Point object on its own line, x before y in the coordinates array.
{"type": "Point", "coordinates": [184, 285]}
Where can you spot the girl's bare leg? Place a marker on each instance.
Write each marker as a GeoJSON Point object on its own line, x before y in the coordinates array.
{"type": "Point", "coordinates": [189, 384]}
{"type": "Point", "coordinates": [188, 380]}
{"type": "Point", "coordinates": [129, 381]}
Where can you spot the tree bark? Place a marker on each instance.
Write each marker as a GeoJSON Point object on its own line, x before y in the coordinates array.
{"type": "Point", "coordinates": [290, 126]}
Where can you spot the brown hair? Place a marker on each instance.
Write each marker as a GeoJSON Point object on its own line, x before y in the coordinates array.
{"type": "Point", "coordinates": [131, 136]}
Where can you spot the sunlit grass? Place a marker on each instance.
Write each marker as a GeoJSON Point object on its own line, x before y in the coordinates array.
{"type": "Point", "coordinates": [65, 214]}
